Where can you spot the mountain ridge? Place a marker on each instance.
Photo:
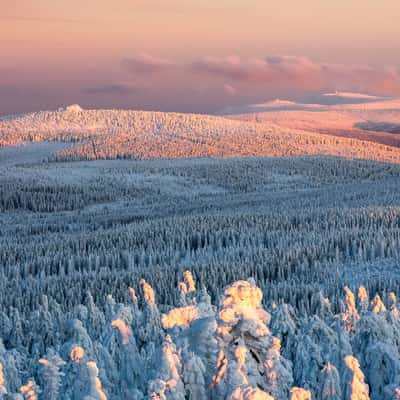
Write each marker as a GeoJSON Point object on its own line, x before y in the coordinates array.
{"type": "Point", "coordinates": [105, 134]}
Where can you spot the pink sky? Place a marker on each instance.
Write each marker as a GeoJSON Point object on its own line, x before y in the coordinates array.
{"type": "Point", "coordinates": [192, 55]}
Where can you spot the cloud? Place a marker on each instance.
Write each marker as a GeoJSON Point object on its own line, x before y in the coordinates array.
{"type": "Point", "coordinates": [146, 64]}
{"type": "Point", "coordinates": [229, 89]}
{"type": "Point", "coordinates": [113, 89]}
{"type": "Point", "coordinates": [293, 68]}
{"type": "Point", "coordinates": [233, 68]}
{"type": "Point", "coordinates": [299, 72]}
{"type": "Point", "coordinates": [384, 80]}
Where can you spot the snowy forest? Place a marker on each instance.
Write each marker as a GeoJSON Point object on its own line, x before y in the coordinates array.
{"type": "Point", "coordinates": [200, 200]}
{"type": "Point", "coordinates": [186, 279]}
{"type": "Point", "coordinates": [109, 134]}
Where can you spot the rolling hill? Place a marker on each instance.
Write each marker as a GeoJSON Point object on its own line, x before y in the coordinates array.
{"type": "Point", "coordinates": [106, 134]}
{"type": "Point", "coordinates": [348, 115]}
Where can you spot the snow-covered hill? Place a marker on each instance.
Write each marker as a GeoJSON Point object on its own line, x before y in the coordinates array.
{"type": "Point", "coordinates": [104, 134]}
{"type": "Point", "coordinates": [350, 115]}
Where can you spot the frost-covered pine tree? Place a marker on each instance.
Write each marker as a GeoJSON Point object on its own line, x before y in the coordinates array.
{"type": "Point", "coordinates": [278, 372]}
{"type": "Point", "coordinates": [199, 334]}
{"type": "Point", "coordinates": [354, 386]}
{"type": "Point", "coordinates": [316, 345]}
{"type": "Point", "coordinates": [187, 288]}
{"type": "Point", "coordinates": [150, 330]}
{"type": "Point", "coordinates": [74, 386]}
{"type": "Point", "coordinates": [168, 383]}
{"type": "Point", "coordinates": [77, 336]}
{"type": "Point", "coordinates": [284, 322]}
{"type": "Point", "coordinates": [95, 388]}
{"type": "Point", "coordinates": [382, 366]}
{"type": "Point", "coordinates": [363, 299]}
{"type": "Point", "coordinates": [321, 305]}
{"type": "Point", "coordinates": [51, 375]}
{"type": "Point", "coordinates": [350, 315]}
{"type": "Point", "coordinates": [128, 361]}
{"type": "Point", "coordinates": [394, 311]}
{"type": "Point", "coordinates": [377, 305]}
{"type": "Point", "coordinates": [329, 384]}
{"type": "Point", "coordinates": [95, 318]}
{"type": "Point", "coordinates": [249, 354]}
{"type": "Point", "coordinates": [193, 323]}
{"type": "Point", "coordinates": [12, 363]}
{"type": "Point", "coordinates": [194, 373]}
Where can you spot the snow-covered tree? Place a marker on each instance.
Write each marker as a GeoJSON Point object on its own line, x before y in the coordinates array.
{"type": "Point", "coordinates": [249, 354]}
{"type": "Point", "coordinates": [354, 386]}
{"type": "Point", "coordinates": [194, 377]}
{"type": "Point", "coordinates": [95, 388]}
{"type": "Point", "coordinates": [168, 383]}
{"type": "Point", "coordinates": [51, 375]}
{"type": "Point", "coordinates": [329, 384]}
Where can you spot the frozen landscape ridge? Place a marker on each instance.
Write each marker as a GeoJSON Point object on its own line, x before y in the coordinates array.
{"type": "Point", "coordinates": [105, 134]}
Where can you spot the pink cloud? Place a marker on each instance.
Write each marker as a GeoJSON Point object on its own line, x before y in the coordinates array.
{"type": "Point", "coordinates": [147, 64]}
{"type": "Point", "coordinates": [233, 68]}
{"type": "Point", "coordinates": [385, 80]}
{"type": "Point", "coordinates": [300, 73]}
{"type": "Point", "coordinates": [229, 89]}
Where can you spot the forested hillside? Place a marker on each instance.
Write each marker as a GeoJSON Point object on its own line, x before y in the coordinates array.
{"type": "Point", "coordinates": [106, 134]}
{"type": "Point", "coordinates": [95, 302]}
{"type": "Point", "coordinates": [376, 120]}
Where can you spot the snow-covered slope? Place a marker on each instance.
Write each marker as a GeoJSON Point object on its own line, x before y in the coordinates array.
{"type": "Point", "coordinates": [103, 134]}
{"type": "Point", "coordinates": [349, 115]}
{"type": "Point", "coordinates": [315, 103]}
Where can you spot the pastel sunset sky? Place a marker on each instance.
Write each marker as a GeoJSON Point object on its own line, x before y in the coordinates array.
{"type": "Point", "coordinates": [192, 55]}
